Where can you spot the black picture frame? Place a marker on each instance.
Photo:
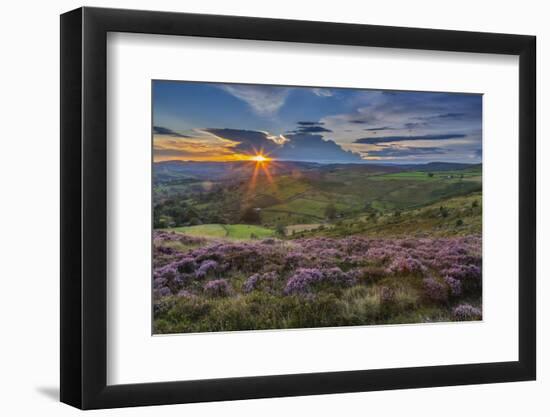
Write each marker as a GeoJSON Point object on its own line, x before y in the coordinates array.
{"type": "Point", "coordinates": [84, 207]}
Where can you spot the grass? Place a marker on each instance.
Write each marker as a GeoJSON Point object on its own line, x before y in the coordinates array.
{"type": "Point", "coordinates": [460, 216]}
{"type": "Point", "coordinates": [358, 305]}
{"type": "Point", "coordinates": [374, 204]}
{"type": "Point", "coordinates": [244, 231]}
{"type": "Point", "coordinates": [229, 231]}
{"type": "Point", "coordinates": [203, 230]}
{"type": "Point", "coordinates": [297, 228]}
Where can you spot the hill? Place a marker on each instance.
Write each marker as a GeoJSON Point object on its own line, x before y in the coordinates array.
{"type": "Point", "coordinates": [288, 193]}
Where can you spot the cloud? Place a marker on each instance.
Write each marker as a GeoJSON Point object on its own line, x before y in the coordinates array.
{"type": "Point", "coordinates": [264, 100]}
{"type": "Point", "coordinates": [450, 115]}
{"type": "Point", "coordinates": [322, 92]}
{"type": "Point", "coordinates": [310, 129]}
{"type": "Point", "coordinates": [206, 147]}
{"type": "Point", "coordinates": [306, 123]}
{"type": "Point", "coordinates": [309, 147]}
{"type": "Point", "coordinates": [393, 151]}
{"type": "Point", "coordinates": [246, 140]}
{"type": "Point", "coordinates": [159, 130]}
{"type": "Point", "coordinates": [415, 125]}
{"type": "Point", "coordinates": [386, 139]}
{"type": "Point", "coordinates": [373, 129]}
{"type": "Point", "coordinates": [408, 116]}
{"type": "Point", "coordinates": [296, 147]}
{"type": "Point", "coordinates": [305, 127]}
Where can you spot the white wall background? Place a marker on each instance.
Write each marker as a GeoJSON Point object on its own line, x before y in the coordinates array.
{"type": "Point", "coordinates": [29, 220]}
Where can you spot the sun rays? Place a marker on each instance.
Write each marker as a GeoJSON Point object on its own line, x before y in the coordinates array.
{"type": "Point", "coordinates": [262, 162]}
{"type": "Point", "coordinates": [260, 158]}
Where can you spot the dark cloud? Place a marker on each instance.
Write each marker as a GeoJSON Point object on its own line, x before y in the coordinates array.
{"type": "Point", "coordinates": [302, 123]}
{"type": "Point", "coordinates": [445, 116]}
{"type": "Point", "coordinates": [372, 129]}
{"type": "Point", "coordinates": [305, 127]}
{"type": "Point", "coordinates": [404, 151]}
{"type": "Point", "coordinates": [414, 125]}
{"type": "Point", "coordinates": [386, 139]}
{"type": "Point", "coordinates": [308, 147]}
{"type": "Point", "coordinates": [311, 129]}
{"type": "Point", "coordinates": [159, 130]}
{"type": "Point", "coordinates": [478, 153]}
{"type": "Point", "coordinates": [298, 146]}
{"type": "Point", "coordinates": [359, 121]}
{"type": "Point", "coordinates": [249, 140]}
{"type": "Point", "coordinates": [452, 115]}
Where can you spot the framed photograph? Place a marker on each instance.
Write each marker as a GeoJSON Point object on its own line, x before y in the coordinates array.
{"type": "Point", "coordinates": [258, 208]}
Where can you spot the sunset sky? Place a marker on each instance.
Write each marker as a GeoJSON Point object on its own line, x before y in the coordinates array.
{"type": "Point", "coordinates": [224, 122]}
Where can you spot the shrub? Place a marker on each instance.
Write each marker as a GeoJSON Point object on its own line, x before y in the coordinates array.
{"type": "Point", "coordinates": [217, 288]}
{"type": "Point", "coordinates": [434, 290]}
{"type": "Point", "coordinates": [186, 294]}
{"type": "Point", "coordinates": [256, 281]}
{"type": "Point", "coordinates": [304, 279]}
{"type": "Point", "coordinates": [164, 292]}
{"type": "Point", "coordinates": [207, 267]}
{"type": "Point", "coordinates": [301, 281]}
{"type": "Point", "coordinates": [455, 286]}
{"type": "Point", "coordinates": [186, 264]}
{"type": "Point", "coordinates": [466, 312]}
{"type": "Point", "coordinates": [353, 280]}
{"type": "Point", "coordinates": [406, 265]}
{"type": "Point", "coordinates": [387, 295]}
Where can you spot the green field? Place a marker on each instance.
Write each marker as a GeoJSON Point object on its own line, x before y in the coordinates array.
{"type": "Point", "coordinates": [456, 216]}
{"type": "Point", "coordinates": [229, 231]}
{"type": "Point", "coordinates": [321, 195]}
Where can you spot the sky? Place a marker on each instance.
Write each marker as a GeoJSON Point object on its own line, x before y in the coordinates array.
{"type": "Point", "coordinates": [194, 121]}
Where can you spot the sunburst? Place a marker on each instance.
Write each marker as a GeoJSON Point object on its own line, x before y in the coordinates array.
{"type": "Point", "coordinates": [260, 158]}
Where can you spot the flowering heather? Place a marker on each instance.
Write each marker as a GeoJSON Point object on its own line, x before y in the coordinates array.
{"type": "Point", "coordinates": [161, 236]}
{"type": "Point", "coordinates": [324, 280]}
{"type": "Point", "coordinates": [304, 279]}
{"type": "Point", "coordinates": [455, 286]}
{"type": "Point", "coordinates": [186, 264]}
{"type": "Point", "coordinates": [164, 292]}
{"type": "Point", "coordinates": [166, 273]}
{"type": "Point", "coordinates": [217, 288]}
{"type": "Point", "coordinates": [207, 267]}
{"type": "Point", "coordinates": [435, 290]}
{"type": "Point", "coordinates": [186, 294]}
{"type": "Point", "coordinates": [465, 312]}
{"type": "Point", "coordinates": [387, 295]}
{"type": "Point", "coordinates": [406, 265]}
{"type": "Point", "coordinates": [256, 280]}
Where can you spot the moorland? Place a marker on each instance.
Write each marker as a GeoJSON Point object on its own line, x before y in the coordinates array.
{"type": "Point", "coordinates": [250, 245]}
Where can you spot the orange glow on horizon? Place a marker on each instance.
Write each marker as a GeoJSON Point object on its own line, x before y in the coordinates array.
{"type": "Point", "coordinates": [259, 157]}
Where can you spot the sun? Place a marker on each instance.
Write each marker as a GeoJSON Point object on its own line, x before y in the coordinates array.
{"type": "Point", "coordinates": [259, 158]}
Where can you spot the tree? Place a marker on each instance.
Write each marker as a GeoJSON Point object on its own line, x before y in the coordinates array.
{"type": "Point", "coordinates": [194, 221]}
{"type": "Point", "coordinates": [280, 229]}
{"type": "Point", "coordinates": [250, 215]}
{"type": "Point", "coordinates": [430, 174]}
{"type": "Point", "coordinates": [330, 212]}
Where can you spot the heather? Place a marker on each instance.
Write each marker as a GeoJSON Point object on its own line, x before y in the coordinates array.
{"type": "Point", "coordinates": [226, 285]}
